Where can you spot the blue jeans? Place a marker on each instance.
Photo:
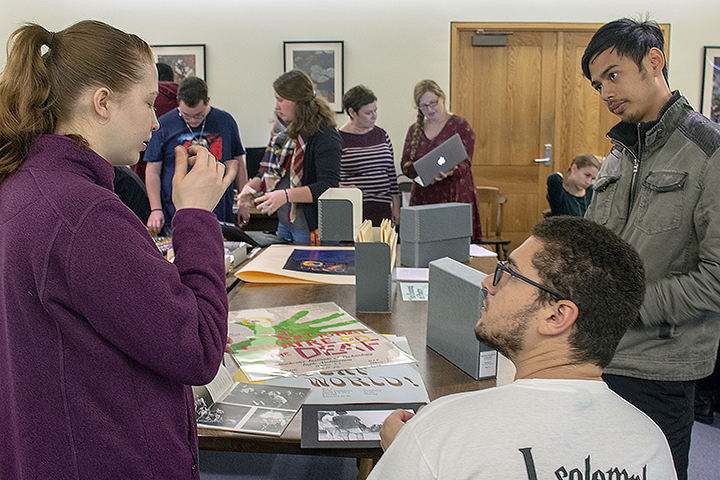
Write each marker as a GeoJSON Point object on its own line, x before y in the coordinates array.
{"type": "Point", "coordinates": [294, 235]}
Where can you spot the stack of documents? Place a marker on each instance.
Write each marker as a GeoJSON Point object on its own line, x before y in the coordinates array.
{"type": "Point", "coordinates": [385, 233]}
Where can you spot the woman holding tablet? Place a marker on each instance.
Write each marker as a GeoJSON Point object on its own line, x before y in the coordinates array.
{"type": "Point", "coordinates": [435, 125]}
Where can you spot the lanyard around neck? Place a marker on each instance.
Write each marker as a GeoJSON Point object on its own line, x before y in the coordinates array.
{"type": "Point", "coordinates": [202, 127]}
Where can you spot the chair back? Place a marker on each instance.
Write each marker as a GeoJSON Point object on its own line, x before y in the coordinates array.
{"type": "Point", "coordinates": [491, 210]}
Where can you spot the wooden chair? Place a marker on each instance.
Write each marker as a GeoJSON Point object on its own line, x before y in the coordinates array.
{"type": "Point", "coordinates": [491, 204]}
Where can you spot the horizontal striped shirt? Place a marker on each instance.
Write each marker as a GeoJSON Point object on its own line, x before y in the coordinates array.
{"type": "Point", "coordinates": [368, 163]}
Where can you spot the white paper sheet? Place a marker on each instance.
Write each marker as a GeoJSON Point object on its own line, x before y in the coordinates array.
{"type": "Point", "coordinates": [479, 251]}
{"type": "Point", "coordinates": [404, 274]}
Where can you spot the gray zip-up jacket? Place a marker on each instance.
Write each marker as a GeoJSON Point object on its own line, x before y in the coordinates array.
{"type": "Point", "coordinates": [659, 189]}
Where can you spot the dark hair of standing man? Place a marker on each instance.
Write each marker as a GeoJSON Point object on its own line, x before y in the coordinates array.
{"type": "Point", "coordinates": [629, 38]}
{"type": "Point", "coordinates": [192, 90]}
{"type": "Point", "coordinates": [165, 72]}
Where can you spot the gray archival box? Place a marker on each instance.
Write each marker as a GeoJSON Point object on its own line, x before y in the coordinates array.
{"type": "Point", "coordinates": [429, 232]}
{"type": "Point", "coordinates": [455, 298]}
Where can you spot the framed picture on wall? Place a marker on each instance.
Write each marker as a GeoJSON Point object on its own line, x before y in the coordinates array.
{"type": "Point", "coordinates": [323, 62]}
{"type": "Point", "coordinates": [185, 60]}
{"type": "Point", "coordinates": [710, 99]}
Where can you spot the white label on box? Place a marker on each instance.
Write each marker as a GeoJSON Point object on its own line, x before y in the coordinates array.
{"type": "Point", "coordinates": [488, 364]}
{"type": "Point", "coordinates": [414, 292]}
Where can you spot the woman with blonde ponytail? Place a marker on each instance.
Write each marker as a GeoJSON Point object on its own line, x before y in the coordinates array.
{"type": "Point", "coordinates": [302, 159]}
{"type": "Point", "coordinates": [101, 336]}
{"type": "Point", "coordinates": [435, 125]}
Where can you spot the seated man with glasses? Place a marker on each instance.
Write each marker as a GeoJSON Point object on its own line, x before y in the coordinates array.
{"type": "Point", "coordinates": [193, 122]}
{"type": "Point", "coordinates": [557, 309]}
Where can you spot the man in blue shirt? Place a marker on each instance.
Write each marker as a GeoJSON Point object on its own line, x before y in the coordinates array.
{"type": "Point", "coordinates": [193, 122]}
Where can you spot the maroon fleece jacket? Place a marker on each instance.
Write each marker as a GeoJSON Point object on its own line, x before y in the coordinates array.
{"type": "Point", "coordinates": [100, 336]}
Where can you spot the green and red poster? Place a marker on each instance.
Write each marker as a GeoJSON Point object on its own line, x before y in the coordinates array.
{"type": "Point", "coordinates": [302, 339]}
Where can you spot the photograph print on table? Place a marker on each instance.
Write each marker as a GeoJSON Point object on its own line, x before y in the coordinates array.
{"type": "Point", "coordinates": [244, 407]}
{"type": "Point", "coordinates": [347, 425]}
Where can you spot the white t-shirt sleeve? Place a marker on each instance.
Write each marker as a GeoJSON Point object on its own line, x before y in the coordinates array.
{"type": "Point", "coordinates": [405, 459]}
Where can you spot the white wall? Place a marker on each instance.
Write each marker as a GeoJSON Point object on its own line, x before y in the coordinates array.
{"type": "Point", "coordinates": [389, 44]}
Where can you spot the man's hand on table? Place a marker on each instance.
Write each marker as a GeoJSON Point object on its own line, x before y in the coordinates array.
{"type": "Point", "coordinates": [392, 425]}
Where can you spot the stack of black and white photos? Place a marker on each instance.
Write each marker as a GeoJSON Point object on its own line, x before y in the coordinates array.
{"type": "Point", "coordinates": [245, 407]}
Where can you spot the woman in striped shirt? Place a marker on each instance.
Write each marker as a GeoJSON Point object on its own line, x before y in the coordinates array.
{"type": "Point", "coordinates": [367, 157]}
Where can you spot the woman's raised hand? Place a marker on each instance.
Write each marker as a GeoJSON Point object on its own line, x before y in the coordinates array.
{"type": "Point", "coordinates": [204, 185]}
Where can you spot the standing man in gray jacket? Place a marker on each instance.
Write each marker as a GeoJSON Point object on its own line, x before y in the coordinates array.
{"type": "Point", "coordinates": [659, 189]}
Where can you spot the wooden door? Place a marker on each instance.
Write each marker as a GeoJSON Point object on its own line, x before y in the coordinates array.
{"type": "Point", "coordinates": [521, 97]}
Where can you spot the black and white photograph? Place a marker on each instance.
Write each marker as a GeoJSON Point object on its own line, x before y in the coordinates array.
{"type": "Point", "coordinates": [346, 425]}
{"type": "Point", "coordinates": [223, 415]}
{"type": "Point", "coordinates": [203, 400]}
{"type": "Point", "coordinates": [268, 420]}
{"type": "Point", "coordinates": [350, 425]}
{"type": "Point", "coordinates": [288, 398]}
{"type": "Point", "coordinates": [249, 408]}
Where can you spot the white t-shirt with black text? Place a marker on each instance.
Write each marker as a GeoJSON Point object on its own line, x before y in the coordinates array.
{"type": "Point", "coordinates": [530, 429]}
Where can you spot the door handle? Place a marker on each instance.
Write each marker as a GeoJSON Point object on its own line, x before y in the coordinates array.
{"type": "Point", "coordinates": [548, 156]}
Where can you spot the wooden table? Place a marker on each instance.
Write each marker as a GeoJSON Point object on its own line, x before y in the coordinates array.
{"type": "Point", "coordinates": [407, 318]}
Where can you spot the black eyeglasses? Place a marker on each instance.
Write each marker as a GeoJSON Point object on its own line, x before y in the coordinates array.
{"type": "Point", "coordinates": [428, 106]}
{"type": "Point", "coordinates": [188, 117]}
{"type": "Point", "coordinates": [502, 267]}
